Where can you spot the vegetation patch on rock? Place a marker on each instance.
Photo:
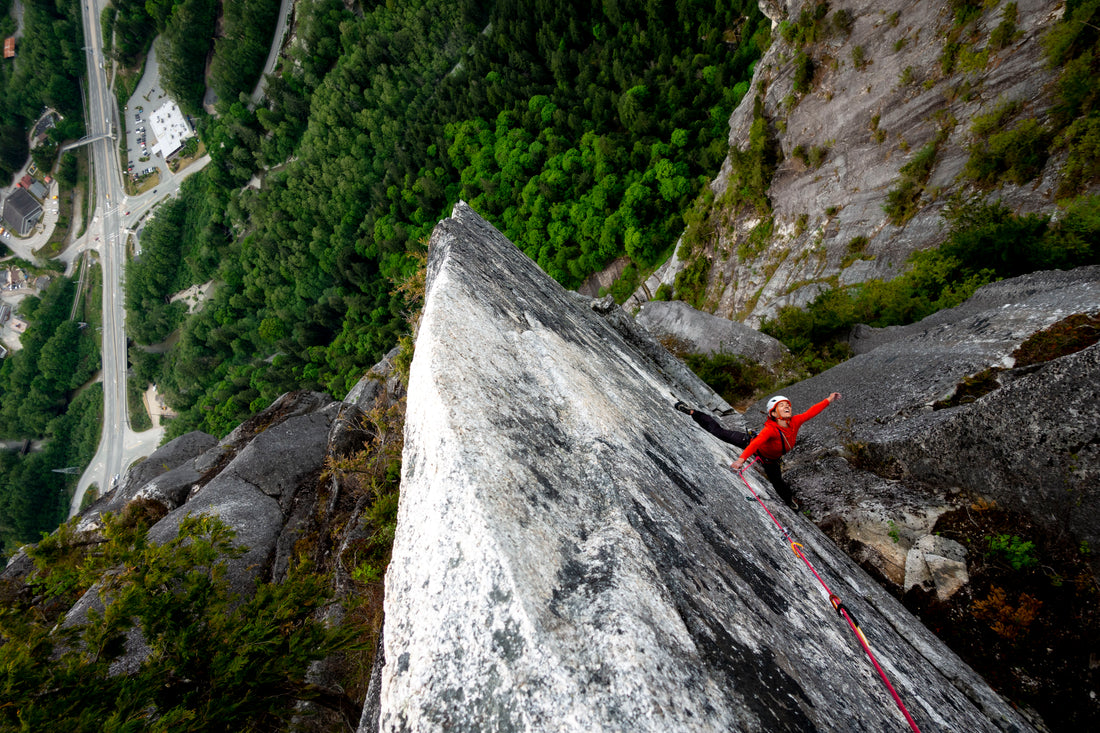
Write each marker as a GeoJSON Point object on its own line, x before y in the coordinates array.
{"type": "Point", "coordinates": [1065, 337]}
{"type": "Point", "coordinates": [1029, 621]}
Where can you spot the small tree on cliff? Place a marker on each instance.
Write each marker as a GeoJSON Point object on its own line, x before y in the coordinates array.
{"type": "Point", "coordinates": [215, 661]}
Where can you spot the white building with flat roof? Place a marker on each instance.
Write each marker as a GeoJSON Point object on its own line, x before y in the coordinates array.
{"type": "Point", "coordinates": [170, 128]}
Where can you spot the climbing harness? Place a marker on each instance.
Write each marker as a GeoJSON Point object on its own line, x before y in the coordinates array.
{"type": "Point", "coordinates": [834, 599]}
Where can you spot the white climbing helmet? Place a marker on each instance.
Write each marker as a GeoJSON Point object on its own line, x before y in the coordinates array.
{"type": "Point", "coordinates": [775, 401]}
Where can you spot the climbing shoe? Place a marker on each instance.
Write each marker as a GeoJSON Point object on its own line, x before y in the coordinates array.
{"type": "Point", "coordinates": [682, 408]}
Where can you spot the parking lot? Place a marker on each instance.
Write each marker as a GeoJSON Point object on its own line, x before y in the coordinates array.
{"type": "Point", "coordinates": [141, 162]}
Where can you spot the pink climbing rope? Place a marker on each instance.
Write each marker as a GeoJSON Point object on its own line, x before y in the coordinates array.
{"type": "Point", "coordinates": [834, 599]}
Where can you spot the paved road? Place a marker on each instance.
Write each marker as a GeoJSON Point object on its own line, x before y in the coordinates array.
{"type": "Point", "coordinates": [273, 52]}
{"type": "Point", "coordinates": [114, 217]}
{"type": "Point", "coordinates": [102, 117]}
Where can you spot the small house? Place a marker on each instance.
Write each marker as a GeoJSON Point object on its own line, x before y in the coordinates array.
{"type": "Point", "coordinates": [21, 211]}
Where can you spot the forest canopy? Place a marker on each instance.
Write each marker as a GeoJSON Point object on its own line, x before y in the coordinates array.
{"type": "Point", "coordinates": [581, 130]}
{"type": "Point", "coordinates": [48, 64]}
{"type": "Point", "coordinates": [43, 399]}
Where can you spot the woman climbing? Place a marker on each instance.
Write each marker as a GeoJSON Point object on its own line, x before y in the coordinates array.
{"type": "Point", "coordinates": [776, 438]}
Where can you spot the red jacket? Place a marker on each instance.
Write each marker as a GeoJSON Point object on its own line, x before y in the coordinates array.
{"type": "Point", "coordinates": [769, 444]}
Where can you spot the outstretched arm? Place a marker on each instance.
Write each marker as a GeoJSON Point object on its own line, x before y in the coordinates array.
{"type": "Point", "coordinates": [814, 410]}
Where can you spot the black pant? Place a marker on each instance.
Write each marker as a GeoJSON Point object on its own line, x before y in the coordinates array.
{"type": "Point", "coordinates": [712, 426]}
{"type": "Point", "coordinates": [775, 476]}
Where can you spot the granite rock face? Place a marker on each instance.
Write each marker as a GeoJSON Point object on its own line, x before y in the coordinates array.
{"type": "Point", "coordinates": [865, 123]}
{"type": "Point", "coordinates": [574, 555]}
{"type": "Point", "coordinates": [1030, 445]}
{"type": "Point", "coordinates": [704, 333]}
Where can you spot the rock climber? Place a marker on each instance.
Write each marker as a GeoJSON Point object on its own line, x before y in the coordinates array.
{"type": "Point", "coordinates": [776, 438]}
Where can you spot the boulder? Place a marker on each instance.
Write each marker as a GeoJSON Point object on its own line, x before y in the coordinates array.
{"type": "Point", "coordinates": [254, 517]}
{"type": "Point", "coordinates": [703, 333]}
{"type": "Point", "coordinates": [171, 489]}
{"type": "Point", "coordinates": [282, 457]}
{"type": "Point", "coordinates": [571, 556]}
{"type": "Point", "coordinates": [171, 455]}
{"type": "Point", "coordinates": [936, 563]}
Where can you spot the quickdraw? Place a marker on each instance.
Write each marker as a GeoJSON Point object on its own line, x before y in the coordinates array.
{"type": "Point", "coordinates": [834, 599]}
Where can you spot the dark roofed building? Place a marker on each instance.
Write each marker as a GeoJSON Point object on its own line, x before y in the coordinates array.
{"type": "Point", "coordinates": [39, 190]}
{"type": "Point", "coordinates": [21, 211]}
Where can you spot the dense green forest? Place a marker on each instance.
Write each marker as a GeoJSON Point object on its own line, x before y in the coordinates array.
{"type": "Point", "coordinates": [38, 384]}
{"type": "Point", "coordinates": [49, 62]}
{"type": "Point", "coordinates": [239, 55]}
{"type": "Point", "coordinates": [582, 130]}
{"type": "Point", "coordinates": [184, 32]}
{"type": "Point", "coordinates": [128, 30]}
{"type": "Point", "coordinates": [43, 397]}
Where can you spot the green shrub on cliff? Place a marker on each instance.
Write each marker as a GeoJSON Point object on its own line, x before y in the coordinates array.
{"type": "Point", "coordinates": [216, 662]}
{"type": "Point", "coordinates": [735, 378]}
{"type": "Point", "coordinates": [903, 200]}
{"type": "Point", "coordinates": [986, 242]}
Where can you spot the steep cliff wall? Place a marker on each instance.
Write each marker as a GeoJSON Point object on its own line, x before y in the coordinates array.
{"type": "Point", "coordinates": [572, 554]}
{"type": "Point", "coordinates": [876, 95]}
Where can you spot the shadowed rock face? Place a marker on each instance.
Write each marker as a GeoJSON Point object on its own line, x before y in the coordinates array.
{"type": "Point", "coordinates": [573, 554]}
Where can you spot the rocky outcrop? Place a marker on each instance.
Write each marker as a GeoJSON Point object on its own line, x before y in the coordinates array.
{"type": "Point", "coordinates": [1029, 445]}
{"type": "Point", "coordinates": [573, 554]}
{"type": "Point", "coordinates": [936, 563]}
{"type": "Point", "coordinates": [265, 480]}
{"type": "Point", "coordinates": [841, 144]}
{"type": "Point", "coordinates": [703, 333]}
{"type": "Point", "coordinates": [167, 474]}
